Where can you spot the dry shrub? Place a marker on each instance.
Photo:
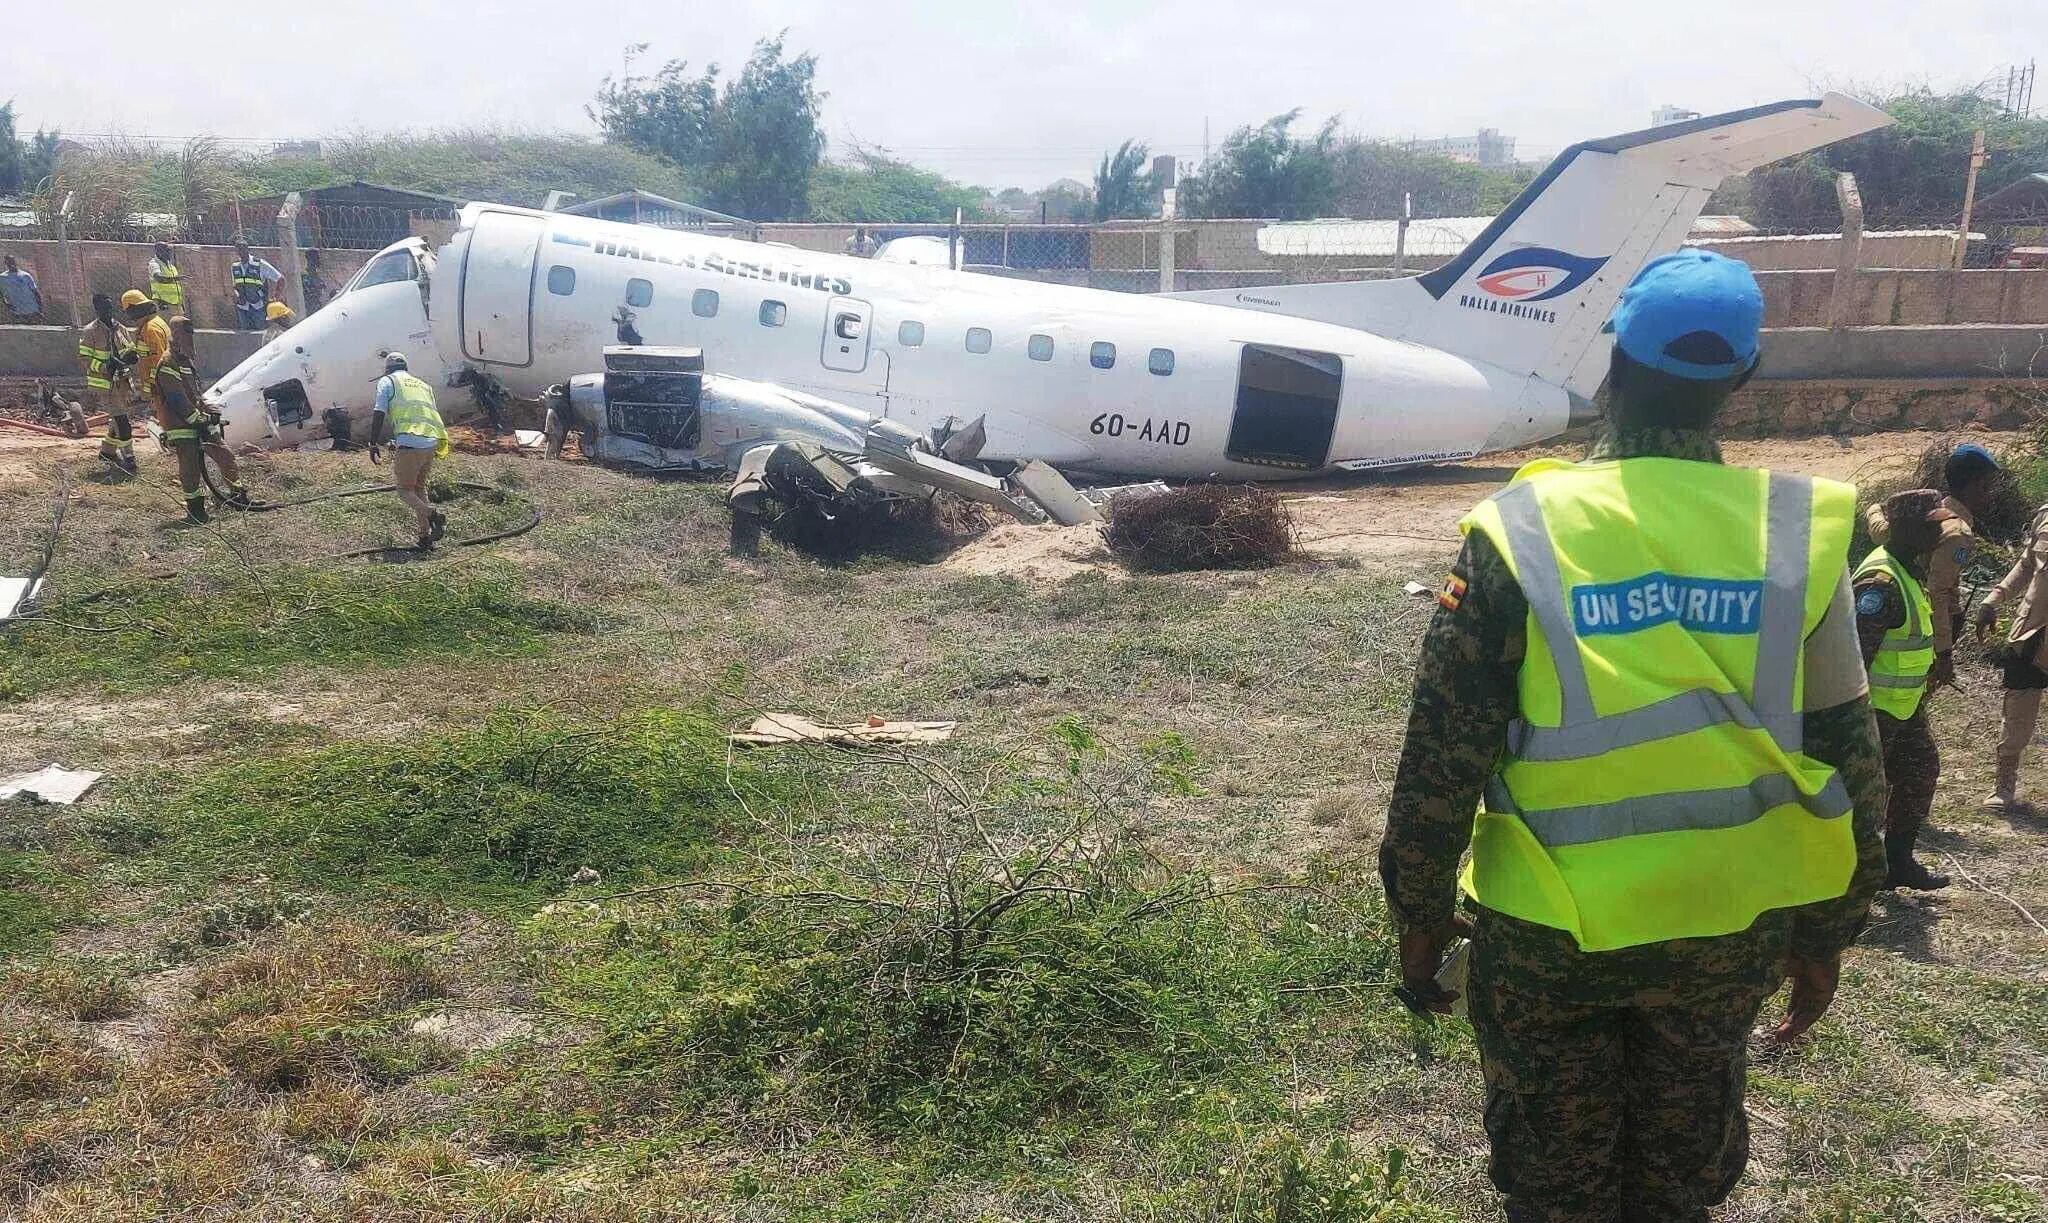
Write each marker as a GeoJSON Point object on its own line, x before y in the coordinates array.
{"type": "Point", "coordinates": [916, 529]}
{"type": "Point", "coordinates": [1201, 526]}
{"type": "Point", "coordinates": [2005, 521]}
{"type": "Point", "coordinates": [314, 1005]}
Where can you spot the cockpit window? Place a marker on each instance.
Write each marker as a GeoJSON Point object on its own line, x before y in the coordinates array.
{"type": "Point", "coordinates": [386, 268]}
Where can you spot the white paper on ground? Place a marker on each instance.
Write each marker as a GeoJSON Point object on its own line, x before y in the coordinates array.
{"type": "Point", "coordinates": [54, 784]}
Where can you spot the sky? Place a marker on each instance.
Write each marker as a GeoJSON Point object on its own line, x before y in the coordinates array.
{"type": "Point", "coordinates": [995, 94]}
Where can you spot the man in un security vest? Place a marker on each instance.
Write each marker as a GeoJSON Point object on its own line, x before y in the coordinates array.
{"type": "Point", "coordinates": [418, 437]}
{"type": "Point", "coordinates": [1647, 664]}
{"type": "Point", "coordinates": [1895, 626]}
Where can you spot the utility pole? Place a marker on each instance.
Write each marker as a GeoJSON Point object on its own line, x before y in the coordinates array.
{"type": "Point", "coordinates": [288, 252]}
{"type": "Point", "coordinates": [1969, 197]}
{"type": "Point", "coordinates": [74, 281]}
{"type": "Point", "coordinates": [1401, 233]}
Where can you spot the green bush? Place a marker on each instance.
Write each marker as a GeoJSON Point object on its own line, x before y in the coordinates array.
{"type": "Point", "coordinates": [509, 809]}
{"type": "Point", "coordinates": [152, 633]}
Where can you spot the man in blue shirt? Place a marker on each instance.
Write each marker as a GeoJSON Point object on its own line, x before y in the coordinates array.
{"type": "Point", "coordinates": [19, 293]}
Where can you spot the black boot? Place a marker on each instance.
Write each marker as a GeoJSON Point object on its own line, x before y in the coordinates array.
{"type": "Point", "coordinates": [195, 512]}
{"type": "Point", "coordinates": [237, 498]}
{"type": "Point", "coordinates": [1905, 871]}
{"type": "Point", "coordinates": [437, 526]}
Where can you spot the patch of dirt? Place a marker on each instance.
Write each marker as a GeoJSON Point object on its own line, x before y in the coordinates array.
{"type": "Point", "coordinates": [1037, 555]}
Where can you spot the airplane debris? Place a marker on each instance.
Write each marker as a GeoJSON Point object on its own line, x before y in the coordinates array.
{"type": "Point", "coordinates": [15, 594]}
{"type": "Point", "coordinates": [779, 729]}
{"type": "Point", "coordinates": [51, 784]}
{"type": "Point", "coordinates": [1416, 590]}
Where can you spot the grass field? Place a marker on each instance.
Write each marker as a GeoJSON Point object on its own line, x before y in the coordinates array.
{"type": "Point", "coordinates": [433, 891]}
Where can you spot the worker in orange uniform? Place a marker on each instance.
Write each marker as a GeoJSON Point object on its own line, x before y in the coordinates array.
{"type": "Point", "coordinates": [193, 432]}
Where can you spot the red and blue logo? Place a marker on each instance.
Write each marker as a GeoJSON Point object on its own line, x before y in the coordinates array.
{"type": "Point", "coordinates": [1536, 273]}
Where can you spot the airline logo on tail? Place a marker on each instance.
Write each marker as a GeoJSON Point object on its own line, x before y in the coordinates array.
{"type": "Point", "coordinates": [1514, 282]}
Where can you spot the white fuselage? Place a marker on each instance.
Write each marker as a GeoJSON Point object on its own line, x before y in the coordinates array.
{"type": "Point", "coordinates": [1082, 378]}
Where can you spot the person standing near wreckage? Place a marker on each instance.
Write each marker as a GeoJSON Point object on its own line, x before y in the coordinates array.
{"type": "Point", "coordinates": [418, 437]}
{"type": "Point", "coordinates": [192, 432]}
{"type": "Point", "coordinates": [105, 353]}
{"type": "Point", "coordinates": [1894, 621]}
{"type": "Point", "coordinates": [1648, 664]}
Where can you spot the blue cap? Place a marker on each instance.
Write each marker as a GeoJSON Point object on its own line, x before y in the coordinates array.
{"type": "Point", "coordinates": [1974, 451]}
{"type": "Point", "coordinates": [1690, 291]}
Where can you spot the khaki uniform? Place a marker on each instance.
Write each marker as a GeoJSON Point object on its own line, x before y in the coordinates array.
{"type": "Point", "coordinates": [2027, 582]}
{"type": "Point", "coordinates": [116, 401]}
{"type": "Point", "coordinates": [1944, 565]}
{"type": "Point", "coordinates": [191, 430]}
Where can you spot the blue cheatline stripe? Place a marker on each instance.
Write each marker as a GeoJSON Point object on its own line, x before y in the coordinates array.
{"type": "Point", "coordinates": [569, 240]}
{"type": "Point", "coordinates": [1685, 811]}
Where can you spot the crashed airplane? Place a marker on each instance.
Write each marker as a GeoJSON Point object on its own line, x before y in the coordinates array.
{"type": "Point", "coordinates": [920, 369]}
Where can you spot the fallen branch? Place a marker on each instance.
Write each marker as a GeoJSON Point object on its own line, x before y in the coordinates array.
{"type": "Point", "coordinates": [1973, 881]}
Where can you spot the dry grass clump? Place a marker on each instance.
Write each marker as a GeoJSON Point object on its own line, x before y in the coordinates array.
{"type": "Point", "coordinates": [313, 1005]}
{"type": "Point", "coordinates": [88, 992]}
{"type": "Point", "coordinates": [1201, 526]}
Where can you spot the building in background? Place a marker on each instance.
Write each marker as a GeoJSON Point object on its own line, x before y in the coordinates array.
{"type": "Point", "coordinates": [1667, 114]}
{"type": "Point", "coordinates": [1486, 147]}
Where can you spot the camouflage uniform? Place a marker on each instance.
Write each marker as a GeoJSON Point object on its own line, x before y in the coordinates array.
{"type": "Point", "coordinates": [1912, 764]}
{"type": "Point", "coordinates": [1614, 1079]}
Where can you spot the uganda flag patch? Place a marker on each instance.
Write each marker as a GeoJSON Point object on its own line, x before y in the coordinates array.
{"type": "Point", "coordinates": [1453, 592]}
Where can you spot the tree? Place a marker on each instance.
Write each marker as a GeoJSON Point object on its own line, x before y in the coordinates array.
{"type": "Point", "coordinates": [1123, 186]}
{"type": "Point", "coordinates": [1264, 172]}
{"type": "Point", "coordinates": [754, 145]}
{"type": "Point", "coordinates": [1371, 179]}
{"type": "Point", "coordinates": [875, 187]}
{"type": "Point", "coordinates": [24, 164]}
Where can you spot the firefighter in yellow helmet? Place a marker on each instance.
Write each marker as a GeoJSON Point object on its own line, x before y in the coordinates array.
{"type": "Point", "coordinates": [1646, 665]}
{"type": "Point", "coordinates": [406, 404]}
{"type": "Point", "coordinates": [278, 319]}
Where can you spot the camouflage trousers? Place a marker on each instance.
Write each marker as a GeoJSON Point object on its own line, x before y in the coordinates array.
{"type": "Point", "coordinates": [1614, 1080]}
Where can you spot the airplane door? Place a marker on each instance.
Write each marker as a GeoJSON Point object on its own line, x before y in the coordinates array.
{"type": "Point", "coordinates": [847, 323]}
{"type": "Point", "coordinates": [1287, 403]}
{"type": "Point", "coordinates": [497, 288]}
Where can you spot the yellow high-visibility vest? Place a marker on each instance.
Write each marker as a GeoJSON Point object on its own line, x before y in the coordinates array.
{"type": "Point", "coordinates": [97, 376]}
{"type": "Point", "coordinates": [412, 408]}
{"type": "Point", "coordinates": [167, 285]}
{"type": "Point", "coordinates": [1898, 674]}
{"type": "Point", "coordinates": [1656, 786]}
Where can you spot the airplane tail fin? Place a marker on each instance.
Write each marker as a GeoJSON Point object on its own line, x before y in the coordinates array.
{"type": "Point", "coordinates": [1531, 293]}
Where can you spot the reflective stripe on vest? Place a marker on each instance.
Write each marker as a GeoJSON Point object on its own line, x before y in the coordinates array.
{"type": "Point", "coordinates": [1898, 671]}
{"type": "Point", "coordinates": [167, 285]}
{"type": "Point", "coordinates": [412, 407]}
{"type": "Point", "coordinates": [96, 365]}
{"type": "Point", "coordinates": [248, 278]}
{"type": "Point", "coordinates": [1673, 814]}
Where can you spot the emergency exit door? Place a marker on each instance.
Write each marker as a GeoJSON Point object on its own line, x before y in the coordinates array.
{"type": "Point", "coordinates": [847, 321]}
{"type": "Point", "coordinates": [497, 288]}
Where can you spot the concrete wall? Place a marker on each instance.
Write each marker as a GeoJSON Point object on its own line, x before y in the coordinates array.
{"type": "Point", "coordinates": [1883, 296]}
{"type": "Point", "coordinates": [115, 267]}
{"type": "Point", "coordinates": [1967, 351]}
{"type": "Point", "coordinates": [1924, 249]}
{"type": "Point", "coordinates": [52, 352]}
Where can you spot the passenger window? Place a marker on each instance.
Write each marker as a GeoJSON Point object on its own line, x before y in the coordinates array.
{"type": "Point", "coordinates": [1102, 355]}
{"type": "Point", "coordinates": [979, 339]}
{"type": "Point", "coordinates": [639, 292]}
{"type": "Point", "coordinates": [1039, 348]}
{"type": "Point", "coordinates": [774, 314]}
{"type": "Point", "coordinates": [1161, 361]}
{"type": "Point", "coordinates": [910, 333]}
{"type": "Point", "coordinates": [704, 304]}
{"type": "Point", "coordinates": [561, 280]}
